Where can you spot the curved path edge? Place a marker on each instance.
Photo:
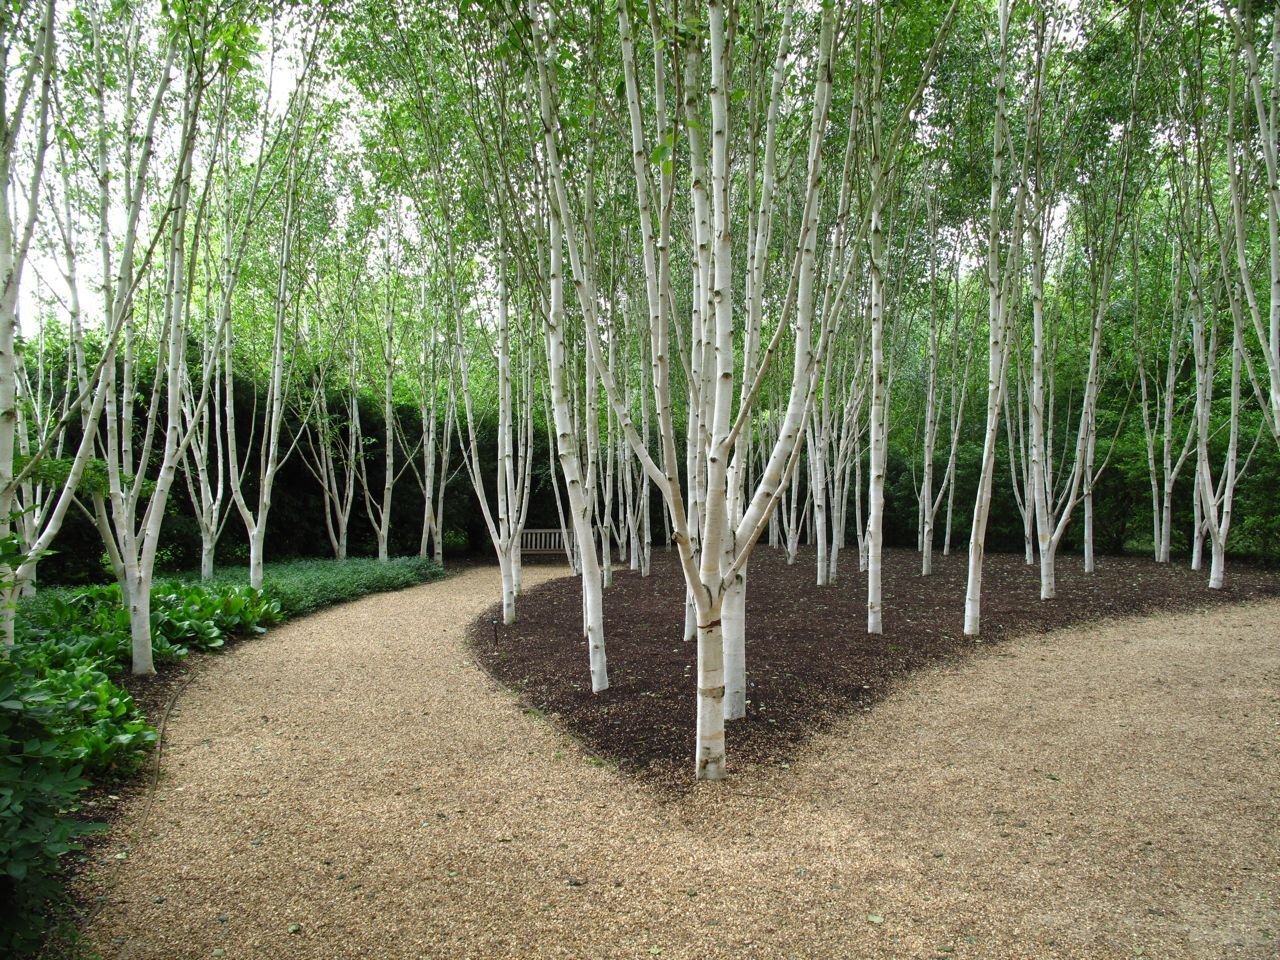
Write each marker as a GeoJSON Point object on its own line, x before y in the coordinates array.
{"type": "Point", "coordinates": [352, 785]}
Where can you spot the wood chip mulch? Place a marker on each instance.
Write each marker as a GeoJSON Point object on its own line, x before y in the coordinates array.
{"type": "Point", "coordinates": [809, 657]}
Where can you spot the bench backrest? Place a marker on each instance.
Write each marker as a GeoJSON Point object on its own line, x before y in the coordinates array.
{"type": "Point", "coordinates": [541, 541]}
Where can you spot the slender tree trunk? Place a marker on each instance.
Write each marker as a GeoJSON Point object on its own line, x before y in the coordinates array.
{"type": "Point", "coordinates": [999, 295]}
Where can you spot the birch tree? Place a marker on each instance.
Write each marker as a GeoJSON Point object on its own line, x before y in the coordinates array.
{"type": "Point", "coordinates": [505, 519]}
{"type": "Point", "coordinates": [326, 409]}
{"type": "Point", "coordinates": [1107, 207]}
{"type": "Point", "coordinates": [1254, 154]}
{"type": "Point", "coordinates": [1215, 496]}
{"type": "Point", "coordinates": [1003, 268]}
{"type": "Point", "coordinates": [1052, 511]}
{"type": "Point", "coordinates": [385, 360]}
{"type": "Point", "coordinates": [437, 415]}
{"type": "Point", "coordinates": [723, 547]}
{"type": "Point", "coordinates": [27, 58]}
{"type": "Point", "coordinates": [37, 481]}
{"type": "Point", "coordinates": [1161, 339]}
{"type": "Point", "coordinates": [119, 59]}
{"type": "Point", "coordinates": [837, 423]}
{"type": "Point", "coordinates": [1214, 499]}
{"type": "Point", "coordinates": [246, 184]}
{"type": "Point", "coordinates": [959, 363]}
{"type": "Point", "coordinates": [297, 159]}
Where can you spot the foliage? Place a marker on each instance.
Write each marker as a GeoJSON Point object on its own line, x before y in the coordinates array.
{"type": "Point", "coordinates": [302, 586]}
{"type": "Point", "coordinates": [92, 624]}
{"type": "Point", "coordinates": [40, 777]}
{"type": "Point", "coordinates": [197, 616]}
{"type": "Point", "coordinates": [57, 470]}
{"type": "Point", "coordinates": [95, 721]}
{"type": "Point", "coordinates": [62, 718]}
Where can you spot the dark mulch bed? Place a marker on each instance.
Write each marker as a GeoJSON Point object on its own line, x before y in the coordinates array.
{"type": "Point", "coordinates": [809, 657]}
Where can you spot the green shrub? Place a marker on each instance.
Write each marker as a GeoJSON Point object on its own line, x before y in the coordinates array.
{"type": "Point", "coordinates": [202, 616]}
{"type": "Point", "coordinates": [92, 624]}
{"type": "Point", "coordinates": [88, 624]}
{"type": "Point", "coordinates": [303, 586]}
{"type": "Point", "coordinates": [43, 648]}
{"type": "Point", "coordinates": [39, 781]}
{"type": "Point", "coordinates": [95, 721]}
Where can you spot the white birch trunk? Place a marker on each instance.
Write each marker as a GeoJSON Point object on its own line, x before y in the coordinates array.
{"type": "Point", "coordinates": [878, 422]}
{"type": "Point", "coordinates": [1262, 93]}
{"type": "Point", "coordinates": [512, 483]}
{"type": "Point", "coordinates": [706, 576]}
{"type": "Point", "coordinates": [269, 453]}
{"type": "Point", "coordinates": [999, 296]}
{"type": "Point", "coordinates": [571, 469]}
{"type": "Point", "coordinates": [29, 66]}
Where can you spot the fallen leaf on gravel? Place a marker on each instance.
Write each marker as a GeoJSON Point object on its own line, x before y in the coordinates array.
{"type": "Point", "coordinates": [874, 918]}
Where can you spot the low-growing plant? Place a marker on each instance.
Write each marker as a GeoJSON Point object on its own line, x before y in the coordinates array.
{"type": "Point", "coordinates": [205, 616]}
{"type": "Point", "coordinates": [45, 650]}
{"type": "Point", "coordinates": [39, 781]}
{"type": "Point", "coordinates": [92, 623]}
{"type": "Point", "coordinates": [96, 721]}
{"type": "Point", "coordinates": [303, 586]}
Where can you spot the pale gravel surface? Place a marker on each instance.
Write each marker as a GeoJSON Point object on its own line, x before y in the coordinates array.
{"type": "Point", "coordinates": [1103, 792]}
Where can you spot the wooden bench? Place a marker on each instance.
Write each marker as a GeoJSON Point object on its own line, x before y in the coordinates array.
{"type": "Point", "coordinates": [546, 542]}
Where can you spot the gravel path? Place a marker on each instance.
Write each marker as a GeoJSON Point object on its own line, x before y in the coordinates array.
{"type": "Point", "coordinates": [351, 785]}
